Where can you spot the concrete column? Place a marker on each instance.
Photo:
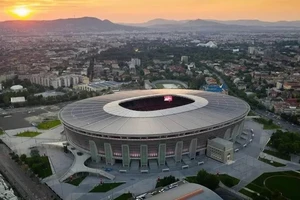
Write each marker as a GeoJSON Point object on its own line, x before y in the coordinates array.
{"type": "Point", "coordinates": [94, 151]}
{"type": "Point", "coordinates": [193, 148]}
{"type": "Point", "coordinates": [125, 155]}
{"type": "Point", "coordinates": [227, 134]}
{"type": "Point", "coordinates": [144, 155]}
{"type": "Point", "coordinates": [178, 151]}
{"type": "Point", "coordinates": [235, 132]}
{"type": "Point", "coordinates": [162, 154]}
{"type": "Point", "coordinates": [108, 154]}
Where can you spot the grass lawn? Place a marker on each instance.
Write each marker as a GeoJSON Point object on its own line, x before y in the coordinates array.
{"type": "Point", "coordinates": [286, 182]}
{"type": "Point", "coordinates": [191, 179]}
{"type": "Point", "coordinates": [124, 196]}
{"type": "Point", "coordinates": [48, 124]}
{"type": "Point", "coordinates": [39, 165]}
{"type": "Point", "coordinates": [229, 181]}
{"type": "Point", "coordinates": [1, 132]}
{"type": "Point", "coordinates": [287, 185]}
{"type": "Point", "coordinates": [105, 187]}
{"type": "Point", "coordinates": [247, 193]}
{"type": "Point", "coordinates": [268, 125]}
{"type": "Point", "coordinates": [251, 113]}
{"type": "Point", "coordinates": [159, 86]}
{"type": "Point", "coordinates": [28, 134]}
{"type": "Point", "coordinates": [275, 164]}
{"type": "Point", "coordinates": [77, 181]}
{"type": "Point", "coordinates": [278, 154]}
{"type": "Point", "coordinates": [271, 126]}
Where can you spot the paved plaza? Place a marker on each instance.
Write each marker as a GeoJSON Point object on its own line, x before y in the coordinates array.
{"type": "Point", "coordinates": [245, 166]}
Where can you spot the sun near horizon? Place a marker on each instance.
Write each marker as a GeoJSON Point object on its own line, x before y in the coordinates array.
{"type": "Point", "coordinates": [20, 12]}
{"type": "Point", "coordinates": [135, 11]}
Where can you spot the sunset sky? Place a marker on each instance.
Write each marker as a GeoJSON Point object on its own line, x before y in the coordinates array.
{"type": "Point", "coordinates": [143, 10]}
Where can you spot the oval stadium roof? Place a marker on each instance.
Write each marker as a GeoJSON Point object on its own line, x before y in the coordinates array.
{"type": "Point", "coordinates": [103, 114]}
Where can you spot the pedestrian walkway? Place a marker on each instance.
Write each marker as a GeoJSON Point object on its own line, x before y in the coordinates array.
{"type": "Point", "coordinates": [279, 160]}
{"type": "Point", "coordinates": [78, 164]}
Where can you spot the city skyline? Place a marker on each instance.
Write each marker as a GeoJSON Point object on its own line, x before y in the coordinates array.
{"type": "Point", "coordinates": [133, 11]}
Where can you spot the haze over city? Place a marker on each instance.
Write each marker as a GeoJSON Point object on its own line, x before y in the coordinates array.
{"type": "Point", "coordinates": [135, 11]}
{"type": "Point", "coordinates": [149, 99]}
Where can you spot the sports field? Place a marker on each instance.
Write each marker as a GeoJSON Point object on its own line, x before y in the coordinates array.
{"type": "Point", "coordinates": [275, 185]}
{"type": "Point", "coordinates": [169, 84]}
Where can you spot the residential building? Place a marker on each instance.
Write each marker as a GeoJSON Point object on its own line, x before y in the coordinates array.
{"type": "Point", "coordinates": [289, 85]}
{"type": "Point", "coordinates": [210, 44]}
{"type": "Point", "coordinates": [136, 61]}
{"type": "Point", "coordinates": [54, 80]}
{"type": "Point", "coordinates": [184, 59]}
{"type": "Point", "coordinates": [251, 50]}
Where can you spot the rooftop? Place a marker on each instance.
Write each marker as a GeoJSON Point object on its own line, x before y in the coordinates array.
{"type": "Point", "coordinates": [102, 84]}
{"type": "Point", "coordinates": [186, 191]}
{"type": "Point", "coordinates": [222, 142]}
{"type": "Point", "coordinates": [103, 114]}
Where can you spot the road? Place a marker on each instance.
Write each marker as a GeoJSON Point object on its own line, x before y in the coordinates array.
{"type": "Point", "coordinates": [276, 119]}
{"type": "Point", "coordinates": [28, 188]}
{"type": "Point", "coordinates": [279, 121]}
{"type": "Point", "coordinates": [32, 109]}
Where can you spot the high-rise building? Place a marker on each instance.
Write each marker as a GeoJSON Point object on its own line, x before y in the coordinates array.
{"type": "Point", "coordinates": [185, 59]}
{"type": "Point", "coordinates": [55, 81]}
{"type": "Point", "coordinates": [251, 50]}
{"type": "Point", "coordinates": [90, 70]}
{"type": "Point", "coordinates": [136, 61]}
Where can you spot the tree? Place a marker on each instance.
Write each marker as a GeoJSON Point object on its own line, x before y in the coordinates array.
{"type": "Point", "coordinates": [212, 182]}
{"type": "Point", "coordinates": [166, 181]}
{"type": "Point", "coordinates": [270, 121]}
{"type": "Point", "coordinates": [248, 78]}
{"type": "Point", "coordinates": [208, 180]}
{"type": "Point", "coordinates": [34, 153]}
{"type": "Point", "coordinates": [23, 157]}
{"type": "Point", "coordinates": [228, 181]}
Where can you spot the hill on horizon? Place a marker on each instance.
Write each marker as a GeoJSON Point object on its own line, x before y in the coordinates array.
{"type": "Point", "coordinates": [241, 22]}
{"type": "Point", "coordinates": [85, 24]}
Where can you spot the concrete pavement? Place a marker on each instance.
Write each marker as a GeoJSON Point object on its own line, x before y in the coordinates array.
{"type": "Point", "coordinates": [17, 177]}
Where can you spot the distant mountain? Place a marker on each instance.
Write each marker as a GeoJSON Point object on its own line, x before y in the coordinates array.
{"type": "Point", "coordinates": [261, 23]}
{"type": "Point", "coordinates": [157, 22]}
{"type": "Point", "coordinates": [73, 25]}
{"type": "Point", "coordinates": [201, 22]}
{"type": "Point", "coordinates": [192, 25]}
{"type": "Point", "coordinates": [160, 23]}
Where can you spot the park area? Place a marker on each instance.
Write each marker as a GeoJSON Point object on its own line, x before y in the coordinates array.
{"type": "Point", "coordinates": [124, 196]}
{"type": "Point", "coordinates": [275, 185]}
{"type": "Point", "coordinates": [268, 124]}
{"type": "Point", "coordinates": [48, 124]}
{"type": "Point", "coordinates": [226, 179]}
{"type": "Point", "coordinates": [28, 134]}
{"type": "Point", "coordinates": [77, 179]}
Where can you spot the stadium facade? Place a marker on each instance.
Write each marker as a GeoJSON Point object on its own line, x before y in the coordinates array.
{"type": "Point", "coordinates": [152, 124]}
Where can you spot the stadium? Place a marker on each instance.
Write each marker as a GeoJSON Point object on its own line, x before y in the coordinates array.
{"type": "Point", "coordinates": [152, 125]}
